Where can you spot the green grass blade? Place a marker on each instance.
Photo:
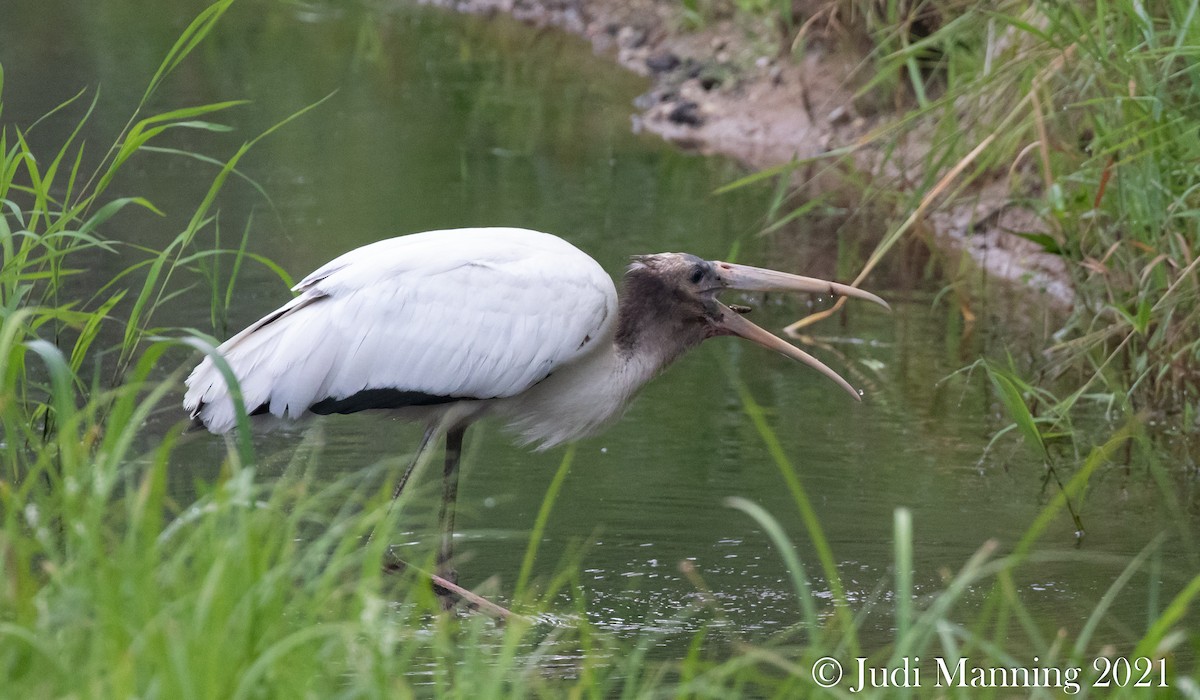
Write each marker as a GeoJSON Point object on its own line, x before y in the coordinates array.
{"type": "Point", "coordinates": [808, 515]}
{"type": "Point", "coordinates": [543, 516]}
{"type": "Point", "coordinates": [787, 551]}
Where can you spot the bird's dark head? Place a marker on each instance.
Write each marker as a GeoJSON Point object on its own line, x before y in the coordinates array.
{"type": "Point", "coordinates": [678, 291]}
{"type": "Point", "coordinates": [670, 305]}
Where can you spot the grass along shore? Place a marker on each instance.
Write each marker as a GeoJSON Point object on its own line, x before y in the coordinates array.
{"type": "Point", "coordinates": [1081, 116]}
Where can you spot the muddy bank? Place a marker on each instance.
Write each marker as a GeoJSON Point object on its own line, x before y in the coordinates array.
{"type": "Point", "coordinates": [717, 91]}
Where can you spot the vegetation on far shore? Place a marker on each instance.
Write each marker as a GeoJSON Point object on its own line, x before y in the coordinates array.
{"type": "Point", "coordinates": [261, 587]}
{"type": "Point", "coordinates": [1087, 114]}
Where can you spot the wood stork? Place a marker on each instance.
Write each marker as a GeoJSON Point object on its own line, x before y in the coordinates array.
{"type": "Point", "coordinates": [444, 327]}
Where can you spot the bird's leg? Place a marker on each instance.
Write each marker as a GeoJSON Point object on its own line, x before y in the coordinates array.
{"type": "Point", "coordinates": [425, 440]}
{"type": "Point", "coordinates": [454, 441]}
{"type": "Point", "coordinates": [392, 563]}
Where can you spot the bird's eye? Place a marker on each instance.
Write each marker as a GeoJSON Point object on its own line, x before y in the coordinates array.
{"type": "Point", "coordinates": [697, 274]}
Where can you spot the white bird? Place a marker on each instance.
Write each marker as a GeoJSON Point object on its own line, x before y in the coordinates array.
{"type": "Point", "coordinates": [445, 327]}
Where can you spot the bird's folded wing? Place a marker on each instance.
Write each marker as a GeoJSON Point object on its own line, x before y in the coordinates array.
{"type": "Point", "coordinates": [455, 323]}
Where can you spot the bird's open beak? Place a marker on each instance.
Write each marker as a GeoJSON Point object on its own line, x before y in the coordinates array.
{"type": "Point", "coordinates": [755, 279]}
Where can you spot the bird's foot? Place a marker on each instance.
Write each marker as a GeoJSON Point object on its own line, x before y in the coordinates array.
{"type": "Point", "coordinates": [446, 597]}
{"type": "Point", "coordinates": [393, 564]}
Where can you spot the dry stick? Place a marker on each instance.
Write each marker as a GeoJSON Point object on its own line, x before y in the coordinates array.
{"type": "Point", "coordinates": [908, 223]}
{"type": "Point", "coordinates": [397, 565]}
{"type": "Point", "coordinates": [938, 189]}
{"type": "Point", "coordinates": [1129, 336]}
{"type": "Point", "coordinates": [1039, 120]}
{"type": "Point", "coordinates": [475, 599]}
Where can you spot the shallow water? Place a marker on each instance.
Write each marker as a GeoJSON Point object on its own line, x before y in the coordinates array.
{"type": "Point", "coordinates": [437, 121]}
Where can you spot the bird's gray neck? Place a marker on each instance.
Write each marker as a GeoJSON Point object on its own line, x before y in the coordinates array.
{"type": "Point", "coordinates": [651, 334]}
{"type": "Point", "coordinates": [581, 398]}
